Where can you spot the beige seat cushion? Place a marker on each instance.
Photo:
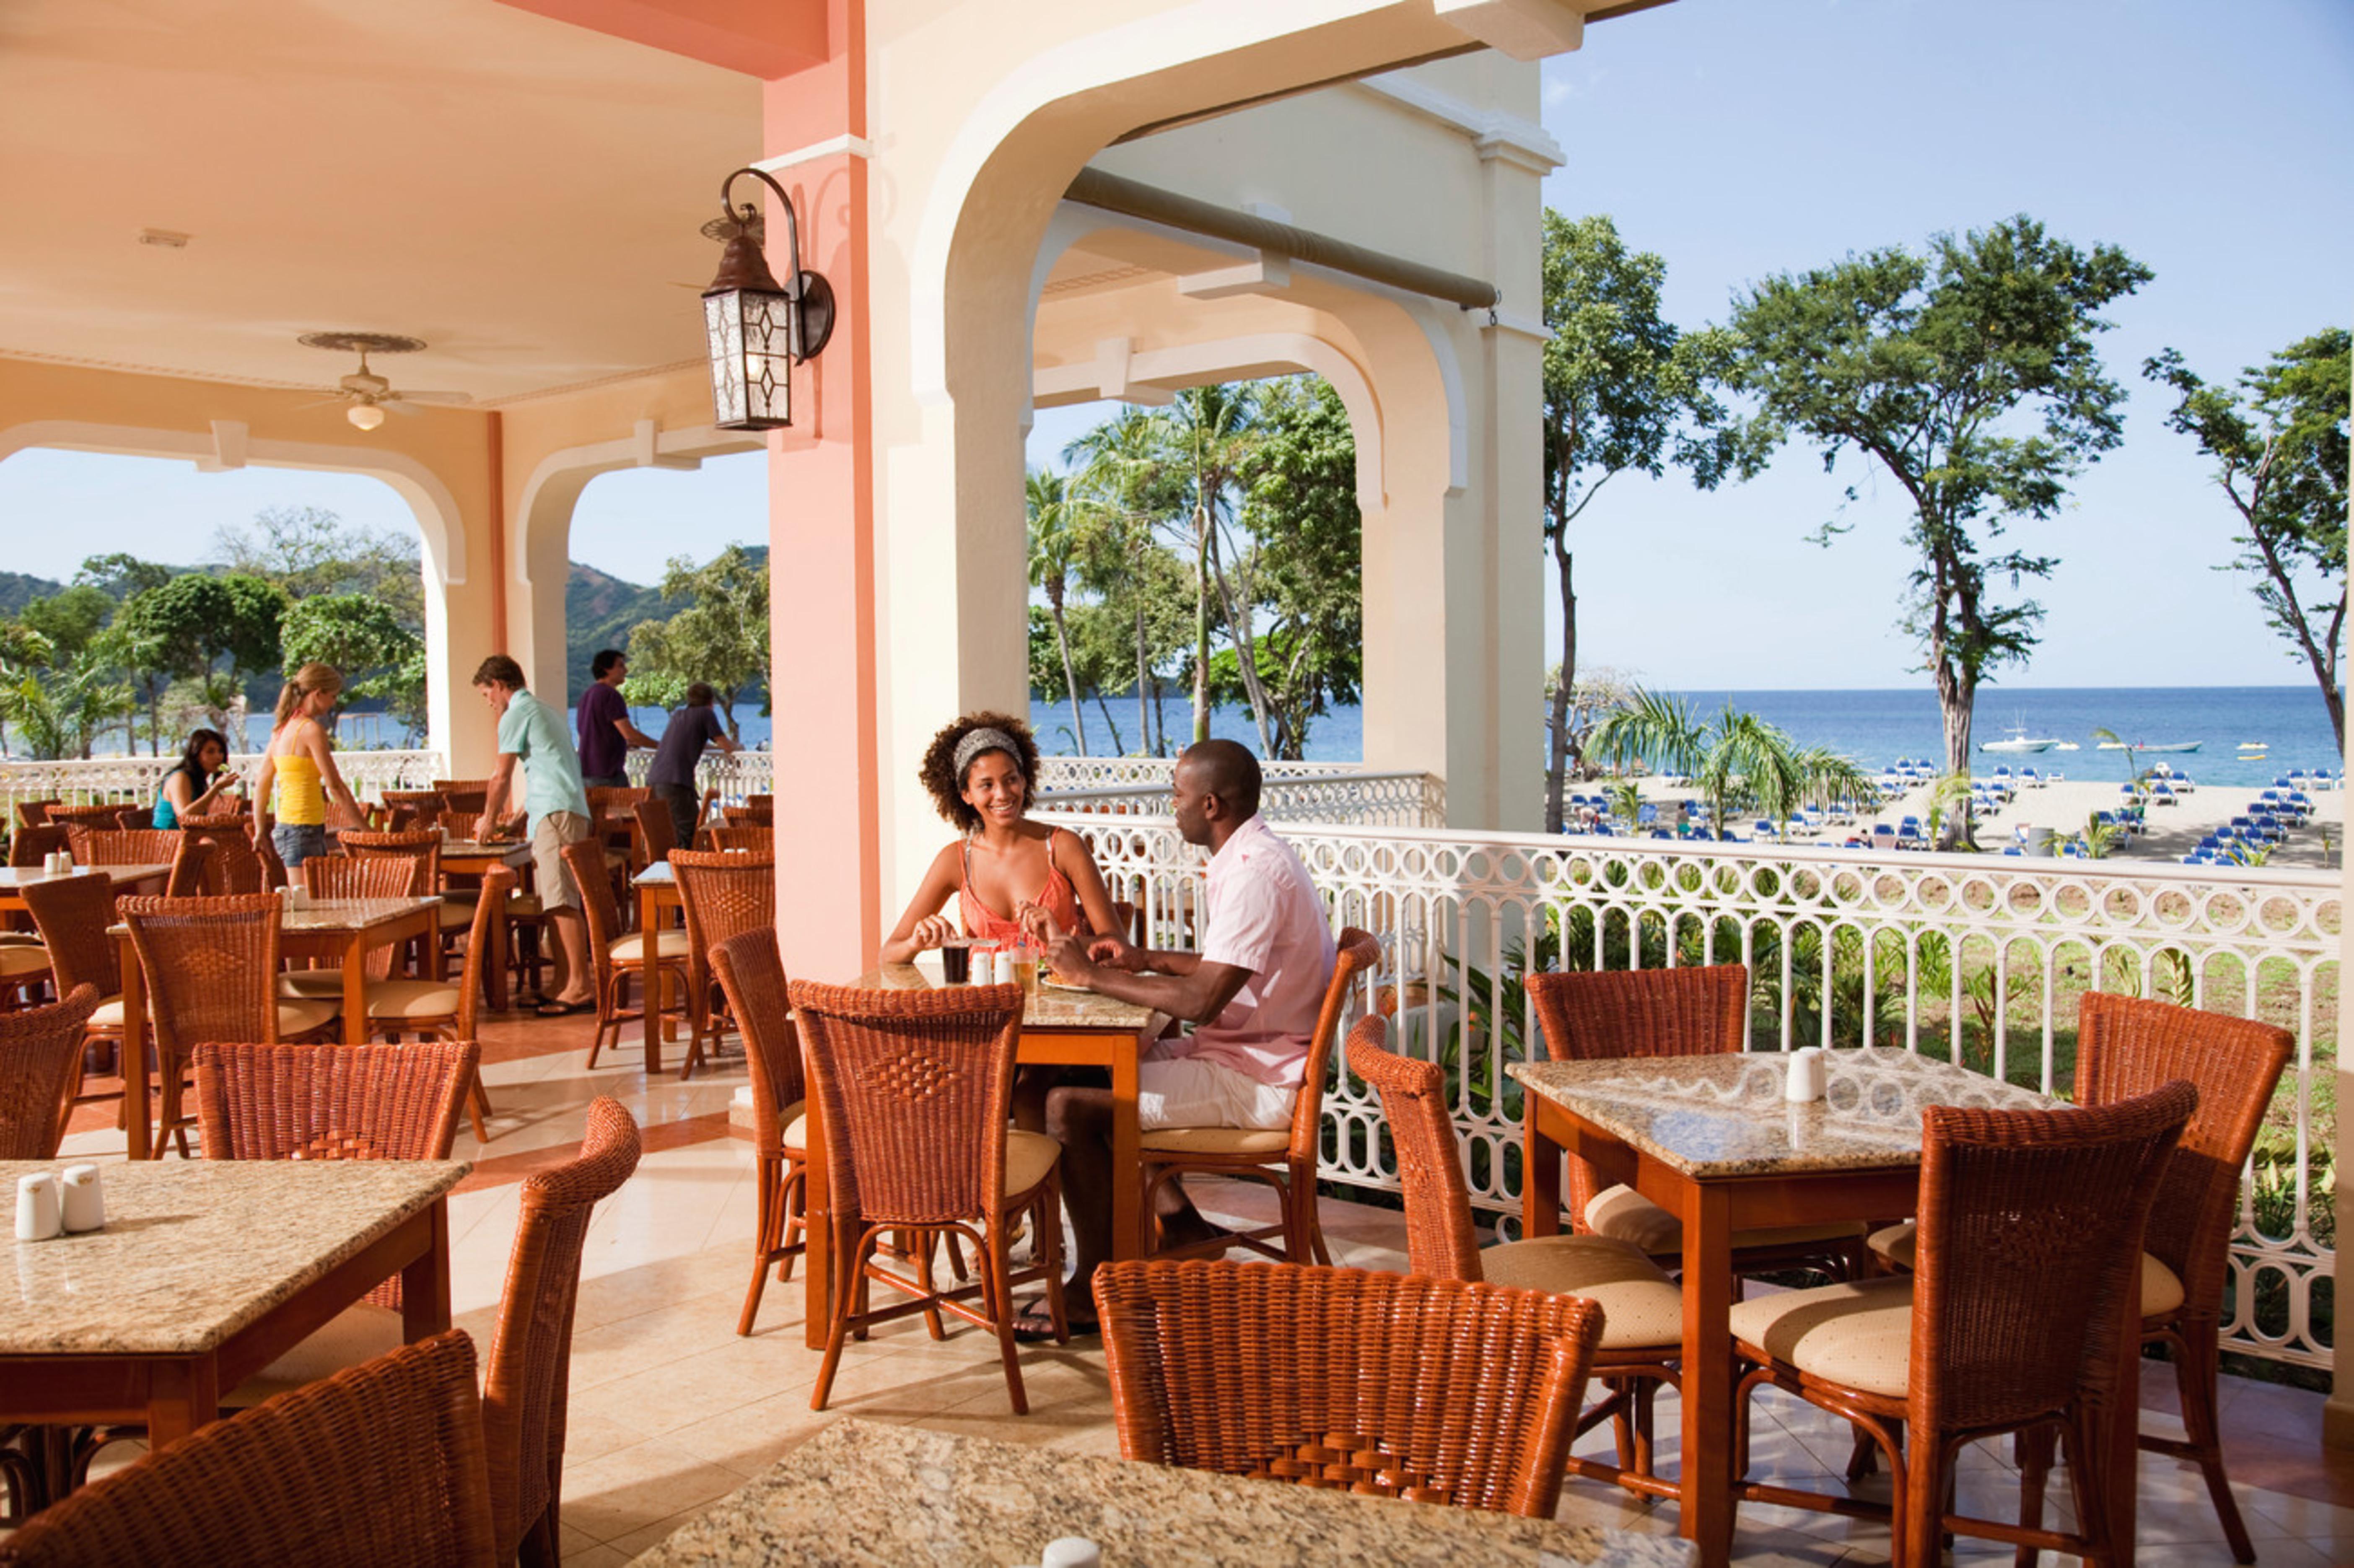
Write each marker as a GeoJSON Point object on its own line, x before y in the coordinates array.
{"type": "Point", "coordinates": [300, 1016]}
{"type": "Point", "coordinates": [455, 916]}
{"type": "Point", "coordinates": [1627, 1215]}
{"type": "Point", "coordinates": [796, 1134]}
{"type": "Point", "coordinates": [525, 907]}
{"type": "Point", "coordinates": [357, 1334]}
{"type": "Point", "coordinates": [19, 962]}
{"type": "Point", "coordinates": [19, 937]}
{"type": "Point", "coordinates": [2161, 1287]}
{"type": "Point", "coordinates": [1028, 1157]}
{"type": "Point", "coordinates": [109, 1014]}
{"type": "Point", "coordinates": [321, 984]}
{"type": "Point", "coordinates": [668, 944]}
{"type": "Point", "coordinates": [1858, 1334]}
{"type": "Point", "coordinates": [1641, 1307]}
{"type": "Point", "coordinates": [406, 999]}
{"type": "Point", "coordinates": [1271, 1140]}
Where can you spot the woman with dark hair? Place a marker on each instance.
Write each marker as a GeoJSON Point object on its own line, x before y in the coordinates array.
{"type": "Point", "coordinates": [979, 771]}
{"type": "Point", "coordinates": [198, 780]}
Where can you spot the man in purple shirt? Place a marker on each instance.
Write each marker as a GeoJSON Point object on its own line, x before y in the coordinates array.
{"type": "Point", "coordinates": [690, 729]}
{"type": "Point", "coordinates": [606, 733]}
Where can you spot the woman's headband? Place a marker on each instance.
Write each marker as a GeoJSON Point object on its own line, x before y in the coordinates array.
{"type": "Point", "coordinates": [980, 740]}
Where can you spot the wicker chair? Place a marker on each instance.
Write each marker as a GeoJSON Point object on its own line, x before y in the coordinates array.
{"type": "Point", "coordinates": [657, 835]}
{"type": "Point", "coordinates": [2031, 1238]}
{"type": "Point", "coordinates": [40, 1066]}
{"type": "Point", "coordinates": [753, 976]}
{"type": "Point", "coordinates": [1608, 1014]}
{"type": "Point", "coordinates": [619, 960]}
{"type": "Point", "coordinates": [382, 1463]}
{"type": "Point", "coordinates": [34, 813]}
{"type": "Point", "coordinates": [147, 846]}
{"type": "Point", "coordinates": [757, 838]}
{"type": "Point", "coordinates": [418, 845]}
{"type": "Point", "coordinates": [916, 1087]}
{"type": "Point", "coordinates": [462, 794]}
{"type": "Point", "coordinates": [72, 914]}
{"type": "Point", "coordinates": [78, 819]}
{"type": "Point", "coordinates": [1641, 1340]}
{"type": "Point", "coordinates": [725, 894]}
{"type": "Point", "coordinates": [331, 1102]}
{"type": "Point", "coordinates": [1283, 1159]}
{"type": "Point", "coordinates": [424, 805]}
{"type": "Point", "coordinates": [342, 876]}
{"type": "Point", "coordinates": [1432, 1390]}
{"type": "Point", "coordinates": [29, 846]}
{"type": "Point", "coordinates": [234, 866]}
{"type": "Point", "coordinates": [438, 1010]}
{"type": "Point", "coordinates": [211, 965]}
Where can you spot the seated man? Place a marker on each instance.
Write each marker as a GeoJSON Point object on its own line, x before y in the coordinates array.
{"type": "Point", "coordinates": [1253, 994]}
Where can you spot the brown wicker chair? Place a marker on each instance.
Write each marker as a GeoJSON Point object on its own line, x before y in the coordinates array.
{"type": "Point", "coordinates": [340, 877]}
{"type": "Point", "coordinates": [34, 813]}
{"type": "Point", "coordinates": [234, 865]}
{"type": "Point", "coordinates": [30, 846]}
{"type": "Point", "coordinates": [1641, 1340]}
{"type": "Point", "coordinates": [1285, 1161]}
{"type": "Point", "coordinates": [758, 838]}
{"type": "Point", "coordinates": [1432, 1390]}
{"type": "Point", "coordinates": [424, 805]}
{"type": "Point", "coordinates": [2031, 1228]}
{"type": "Point", "coordinates": [725, 894]}
{"type": "Point", "coordinates": [40, 1066]}
{"type": "Point", "coordinates": [438, 1010]}
{"type": "Point", "coordinates": [1608, 1014]}
{"type": "Point", "coordinates": [331, 1102]}
{"type": "Point", "coordinates": [421, 846]}
{"type": "Point", "coordinates": [147, 846]}
{"type": "Point", "coordinates": [72, 914]}
{"type": "Point", "coordinates": [462, 794]}
{"type": "Point", "coordinates": [383, 1464]}
{"type": "Point", "coordinates": [211, 967]}
{"type": "Point", "coordinates": [753, 976]}
{"type": "Point", "coordinates": [79, 819]}
{"type": "Point", "coordinates": [916, 1087]}
{"type": "Point", "coordinates": [657, 835]}
{"type": "Point", "coordinates": [619, 958]}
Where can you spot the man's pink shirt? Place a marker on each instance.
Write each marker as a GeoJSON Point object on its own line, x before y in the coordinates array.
{"type": "Point", "coordinates": [1260, 913]}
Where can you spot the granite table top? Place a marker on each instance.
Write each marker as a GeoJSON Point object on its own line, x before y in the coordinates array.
{"type": "Point", "coordinates": [16, 876]}
{"type": "Point", "coordinates": [863, 1492]}
{"type": "Point", "coordinates": [194, 1251]}
{"type": "Point", "coordinates": [336, 916]}
{"type": "Point", "coordinates": [1723, 1116]}
{"type": "Point", "coordinates": [514, 852]}
{"type": "Point", "coordinates": [1048, 1007]}
{"type": "Point", "coordinates": [658, 875]}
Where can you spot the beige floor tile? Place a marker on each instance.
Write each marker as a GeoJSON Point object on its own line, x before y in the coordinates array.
{"type": "Point", "coordinates": [624, 1490]}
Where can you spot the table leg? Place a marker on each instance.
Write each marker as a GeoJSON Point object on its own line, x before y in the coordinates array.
{"type": "Point", "coordinates": [1705, 1516]}
{"type": "Point", "coordinates": [355, 961]}
{"type": "Point", "coordinates": [1130, 1223]}
{"type": "Point", "coordinates": [134, 1050]}
{"type": "Point", "coordinates": [425, 1283]}
{"type": "Point", "coordinates": [494, 982]}
{"type": "Point", "coordinates": [1540, 1176]}
{"type": "Point", "coordinates": [181, 1397]}
{"type": "Point", "coordinates": [2123, 1439]}
{"type": "Point", "coordinates": [817, 1210]}
{"type": "Point", "coordinates": [651, 978]}
{"type": "Point", "coordinates": [436, 966]}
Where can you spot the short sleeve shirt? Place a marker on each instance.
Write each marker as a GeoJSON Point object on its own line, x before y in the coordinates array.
{"type": "Point", "coordinates": [534, 733]}
{"type": "Point", "coordinates": [603, 752]}
{"type": "Point", "coordinates": [1261, 913]}
{"type": "Point", "coordinates": [683, 740]}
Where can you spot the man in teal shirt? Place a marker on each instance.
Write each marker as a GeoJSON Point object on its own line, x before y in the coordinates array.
{"type": "Point", "coordinates": [532, 733]}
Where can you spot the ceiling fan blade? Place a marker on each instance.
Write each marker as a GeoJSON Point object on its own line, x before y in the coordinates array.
{"type": "Point", "coordinates": [393, 405]}
{"type": "Point", "coordinates": [322, 403]}
{"type": "Point", "coordinates": [436, 397]}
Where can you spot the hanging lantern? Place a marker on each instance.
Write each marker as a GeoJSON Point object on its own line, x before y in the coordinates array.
{"type": "Point", "coordinates": [757, 330]}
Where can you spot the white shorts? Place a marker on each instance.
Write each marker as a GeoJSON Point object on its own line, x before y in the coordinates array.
{"type": "Point", "coordinates": [1181, 1091]}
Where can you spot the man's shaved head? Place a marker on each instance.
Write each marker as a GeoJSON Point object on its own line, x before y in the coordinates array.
{"type": "Point", "coordinates": [1228, 771]}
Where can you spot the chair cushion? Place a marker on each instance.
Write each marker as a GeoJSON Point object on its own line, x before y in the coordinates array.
{"type": "Point", "coordinates": [18, 961]}
{"type": "Point", "coordinates": [2161, 1287]}
{"type": "Point", "coordinates": [1858, 1334]}
{"type": "Point", "coordinates": [1272, 1140]}
{"type": "Point", "coordinates": [525, 907]}
{"type": "Point", "coordinates": [668, 944]}
{"type": "Point", "coordinates": [795, 1137]}
{"type": "Point", "coordinates": [300, 1016]}
{"type": "Point", "coordinates": [455, 916]}
{"type": "Point", "coordinates": [1028, 1157]}
{"type": "Point", "coordinates": [109, 1014]}
{"type": "Point", "coordinates": [357, 1334]}
{"type": "Point", "coordinates": [407, 999]}
{"type": "Point", "coordinates": [1641, 1307]}
{"type": "Point", "coordinates": [325, 985]}
{"type": "Point", "coordinates": [1627, 1215]}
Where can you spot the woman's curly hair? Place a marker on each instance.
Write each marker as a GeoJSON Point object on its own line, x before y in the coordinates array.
{"type": "Point", "coordinates": [939, 772]}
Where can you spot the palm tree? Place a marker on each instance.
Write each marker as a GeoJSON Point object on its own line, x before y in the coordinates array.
{"type": "Point", "coordinates": [1206, 437]}
{"type": "Point", "coordinates": [1053, 543]}
{"type": "Point", "coordinates": [1116, 470]}
{"type": "Point", "coordinates": [1736, 760]}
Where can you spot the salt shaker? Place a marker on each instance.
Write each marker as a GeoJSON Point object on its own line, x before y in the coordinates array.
{"type": "Point", "coordinates": [83, 1203]}
{"type": "Point", "coordinates": [36, 1207]}
{"type": "Point", "coordinates": [1807, 1075]}
{"type": "Point", "coordinates": [1071, 1552]}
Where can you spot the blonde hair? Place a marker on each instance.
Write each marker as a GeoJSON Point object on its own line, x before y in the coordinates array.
{"type": "Point", "coordinates": [312, 677]}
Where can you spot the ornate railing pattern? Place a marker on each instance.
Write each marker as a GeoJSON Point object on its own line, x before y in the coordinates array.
{"type": "Point", "coordinates": [734, 775]}
{"type": "Point", "coordinates": [1967, 958]}
{"type": "Point", "coordinates": [135, 778]}
{"type": "Point", "coordinates": [1353, 799]}
{"type": "Point", "coordinates": [1114, 772]}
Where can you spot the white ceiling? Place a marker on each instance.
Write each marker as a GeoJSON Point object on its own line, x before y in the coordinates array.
{"type": "Point", "coordinates": [522, 194]}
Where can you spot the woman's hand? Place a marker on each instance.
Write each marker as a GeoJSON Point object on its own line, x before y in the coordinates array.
{"type": "Point", "coordinates": [1039, 927]}
{"type": "Point", "coordinates": [933, 931]}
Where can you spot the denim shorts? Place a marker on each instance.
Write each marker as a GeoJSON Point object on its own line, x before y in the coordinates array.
{"type": "Point", "coordinates": [298, 841]}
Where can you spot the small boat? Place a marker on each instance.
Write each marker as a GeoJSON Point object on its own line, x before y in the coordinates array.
{"type": "Point", "coordinates": [2151, 745]}
{"type": "Point", "coordinates": [2020, 740]}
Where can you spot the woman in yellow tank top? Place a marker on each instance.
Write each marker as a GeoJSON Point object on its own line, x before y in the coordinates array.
{"type": "Point", "coordinates": [302, 768]}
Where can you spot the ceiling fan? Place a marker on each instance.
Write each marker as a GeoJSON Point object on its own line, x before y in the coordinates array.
{"type": "Point", "coordinates": [367, 396]}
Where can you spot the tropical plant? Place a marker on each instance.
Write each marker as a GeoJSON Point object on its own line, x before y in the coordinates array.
{"type": "Point", "coordinates": [60, 713]}
{"type": "Point", "coordinates": [363, 638]}
{"type": "Point", "coordinates": [197, 621]}
{"type": "Point", "coordinates": [721, 638]}
{"type": "Point", "coordinates": [1054, 547]}
{"type": "Point", "coordinates": [1736, 760]}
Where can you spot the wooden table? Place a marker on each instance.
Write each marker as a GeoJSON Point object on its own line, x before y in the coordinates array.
{"type": "Point", "coordinates": [15, 879]}
{"type": "Point", "coordinates": [1710, 1139]}
{"type": "Point", "coordinates": [206, 1272]}
{"type": "Point", "coordinates": [861, 1493]}
{"type": "Point", "coordinates": [340, 931]}
{"type": "Point", "coordinates": [465, 861]}
{"type": "Point", "coordinates": [1059, 1028]}
{"type": "Point", "coordinates": [658, 899]}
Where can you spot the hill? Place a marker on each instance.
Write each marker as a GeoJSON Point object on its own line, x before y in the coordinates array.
{"type": "Point", "coordinates": [598, 611]}
{"type": "Point", "coordinates": [17, 591]}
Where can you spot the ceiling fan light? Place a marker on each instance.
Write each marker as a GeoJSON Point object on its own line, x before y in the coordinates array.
{"type": "Point", "coordinates": [366, 416]}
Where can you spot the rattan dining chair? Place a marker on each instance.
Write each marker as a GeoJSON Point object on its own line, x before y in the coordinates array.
{"type": "Point", "coordinates": [1282, 1158]}
{"type": "Point", "coordinates": [72, 914]}
{"type": "Point", "coordinates": [79, 819]}
{"type": "Point", "coordinates": [752, 975]}
{"type": "Point", "coordinates": [424, 806]}
{"type": "Point", "coordinates": [657, 833]}
{"type": "Point", "coordinates": [211, 967]}
{"type": "Point", "coordinates": [1398, 1384]}
{"type": "Point", "coordinates": [618, 959]}
{"type": "Point", "coordinates": [40, 1065]}
{"type": "Point", "coordinates": [443, 1010]}
{"type": "Point", "coordinates": [756, 838]}
{"type": "Point", "coordinates": [1605, 1015]}
{"type": "Point", "coordinates": [29, 846]}
{"type": "Point", "coordinates": [234, 865]}
{"type": "Point", "coordinates": [456, 915]}
{"type": "Point", "coordinates": [34, 813]}
{"type": "Point", "coordinates": [1641, 1341]}
{"type": "Point", "coordinates": [148, 846]}
{"type": "Point", "coordinates": [2030, 1239]}
{"type": "Point", "coordinates": [725, 893]}
{"type": "Point", "coordinates": [383, 1464]}
{"type": "Point", "coordinates": [915, 1088]}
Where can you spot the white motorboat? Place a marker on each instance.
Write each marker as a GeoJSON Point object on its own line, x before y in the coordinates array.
{"type": "Point", "coordinates": [2018, 741]}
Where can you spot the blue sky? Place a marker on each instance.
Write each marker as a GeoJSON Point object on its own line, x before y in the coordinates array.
{"type": "Point", "coordinates": [1739, 139]}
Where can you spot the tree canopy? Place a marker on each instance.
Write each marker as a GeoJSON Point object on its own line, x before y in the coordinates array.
{"type": "Point", "coordinates": [720, 638]}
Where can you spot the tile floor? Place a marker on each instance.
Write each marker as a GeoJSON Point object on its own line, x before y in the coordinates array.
{"type": "Point", "coordinates": [671, 1410]}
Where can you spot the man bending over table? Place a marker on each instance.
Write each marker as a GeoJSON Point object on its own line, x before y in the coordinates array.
{"type": "Point", "coordinates": [1253, 994]}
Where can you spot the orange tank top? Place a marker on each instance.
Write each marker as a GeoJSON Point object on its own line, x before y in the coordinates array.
{"type": "Point", "coordinates": [985, 926]}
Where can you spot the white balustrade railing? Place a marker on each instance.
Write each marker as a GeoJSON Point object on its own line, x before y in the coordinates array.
{"type": "Point", "coordinates": [733, 774]}
{"type": "Point", "coordinates": [133, 779]}
{"type": "Point", "coordinates": [1353, 799]}
{"type": "Point", "coordinates": [1114, 772]}
{"type": "Point", "coordinates": [1976, 959]}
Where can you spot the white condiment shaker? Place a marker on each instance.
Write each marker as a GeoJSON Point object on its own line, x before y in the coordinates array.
{"type": "Point", "coordinates": [1071, 1552]}
{"type": "Point", "coordinates": [83, 1203]}
{"type": "Point", "coordinates": [1807, 1077]}
{"type": "Point", "coordinates": [37, 1218]}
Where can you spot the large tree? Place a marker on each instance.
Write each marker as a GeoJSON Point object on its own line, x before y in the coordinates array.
{"type": "Point", "coordinates": [1118, 476]}
{"type": "Point", "coordinates": [309, 550]}
{"type": "Point", "coordinates": [1055, 544]}
{"type": "Point", "coordinates": [1968, 374]}
{"type": "Point", "coordinates": [1305, 560]}
{"type": "Point", "coordinates": [362, 637]}
{"type": "Point", "coordinates": [720, 638]}
{"type": "Point", "coordinates": [2278, 442]}
{"type": "Point", "coordinates": [1624, 392]}
{"type": "Point", "coordinates": [196, 623]}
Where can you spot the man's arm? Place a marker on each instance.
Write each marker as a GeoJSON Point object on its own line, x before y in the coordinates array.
{"type": "Point", "coordinates": [631, 734]}
{"type": "Point", "coordinates": [495, 795]}
{"type": "Point", "coordinates": [1192, 989]}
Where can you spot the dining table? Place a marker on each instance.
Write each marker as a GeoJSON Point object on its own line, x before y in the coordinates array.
{"type": "Point", "coordinates": [207, 1271]}
{"type": "Point", "coordinates": [15, 879]}
{"type": "Point", "coordinates": [339, 931]}
{"type": "Point", "coordinates": [1714, 1141]}
{"type": "Point", "coordinates": [866, 1494]}
{"type": "Point", "coordinates": [1062, 1026]}
{"type": "Point", "coordinates": [464, 862]}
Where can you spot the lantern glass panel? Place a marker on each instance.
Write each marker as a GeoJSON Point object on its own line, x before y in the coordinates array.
{"type": "Point", "coordinates": [750, 342]}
